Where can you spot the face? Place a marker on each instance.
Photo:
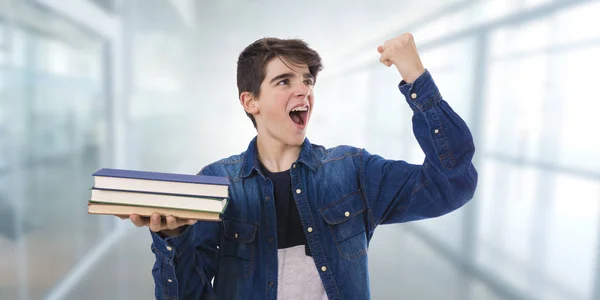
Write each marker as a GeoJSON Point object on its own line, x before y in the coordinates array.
{"type": "Point", "coordinates": [285, 104]}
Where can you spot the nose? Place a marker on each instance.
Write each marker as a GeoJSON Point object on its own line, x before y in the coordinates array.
{"type": "Point", "coordinates": [301, 89]}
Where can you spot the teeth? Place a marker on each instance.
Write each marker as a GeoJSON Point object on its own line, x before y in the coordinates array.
{"type": "Point", "coordinates": [302, 108]}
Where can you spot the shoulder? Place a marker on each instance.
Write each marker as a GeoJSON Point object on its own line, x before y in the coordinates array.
{"type": "Point", "coordinates": [325, 155]}
{"type": "Point", "coordinates": [228, 166]}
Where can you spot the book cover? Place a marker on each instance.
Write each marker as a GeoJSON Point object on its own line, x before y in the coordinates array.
{"type": "Point", "coordinates": [159, 176]}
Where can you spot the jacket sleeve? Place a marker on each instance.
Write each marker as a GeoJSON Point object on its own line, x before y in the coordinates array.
{"type": "Point", "coordinates": [186, 264]}
{"type": "Point", "coordinates": [397, 191]}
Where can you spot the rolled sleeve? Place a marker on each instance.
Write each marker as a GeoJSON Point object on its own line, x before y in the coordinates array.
{"type": "Point", "coordinates": [422, 94]}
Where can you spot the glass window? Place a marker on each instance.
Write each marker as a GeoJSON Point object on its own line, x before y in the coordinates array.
{"type": "Point", "coordinates": [514, 102]}
{"type": "Point", "coordinates": [506, 218]}
{"type": "Point", "coordinates": [538, 195]}
{"type": "Point", "coordinates": [56, 112]}
{"type": "Point", "coordinates": [569, 255]}
{"type": "Point", "coordinates": [568, 30]}
{"type": "Point", "coordinates": [578, 109]}
{"type": "Point", "coordinates": [3, 45]}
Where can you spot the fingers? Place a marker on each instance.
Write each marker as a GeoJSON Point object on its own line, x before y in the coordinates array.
{"type": "Point", "coordinates": [385, 61]}
{"type": "Point", "coordinates": [155, 222]}
{"type": "Point", "coordinates": [173, 223]}
{"type": "Point", "coordinates": [138, 221]}
{"type": "Point", "coordinates": [384, 58]}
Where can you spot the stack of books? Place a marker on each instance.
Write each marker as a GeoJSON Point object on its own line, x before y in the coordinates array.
{"type": "Point", "coordinates": [124, 192]}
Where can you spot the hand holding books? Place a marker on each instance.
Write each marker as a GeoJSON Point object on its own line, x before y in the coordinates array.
{"type": "Point", "coordinates": [162, 201]}
{"type": "Point", "coordinates": [167, 226]}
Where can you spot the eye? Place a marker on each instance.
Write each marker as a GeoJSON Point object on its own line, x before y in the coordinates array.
{"type": "Point", "coordinates": [309, 82]}
{"type": "Point", "coordinates": [284, 82]}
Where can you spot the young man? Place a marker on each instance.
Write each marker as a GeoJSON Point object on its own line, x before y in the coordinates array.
{"type": "Point", "coordinates": [301, 216]}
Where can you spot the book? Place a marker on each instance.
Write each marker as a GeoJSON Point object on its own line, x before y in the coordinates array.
{"type": "Point", "coordinates": [124, 192]}
{"type": "Point", "coordinates": [166, 183]}
{"type": "Point", "coordinates": [146, 211]}
{"type": "Point", "coordinates": [173, 201]}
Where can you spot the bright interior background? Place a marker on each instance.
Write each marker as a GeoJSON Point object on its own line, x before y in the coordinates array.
{"type": "Point", "coordinates": [150, 85]}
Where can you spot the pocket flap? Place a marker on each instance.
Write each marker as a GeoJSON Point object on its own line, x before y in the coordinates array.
{"type": "Point", "coordinates": [343, 209]}
{"type": "Point", "coordinates": [241, 231]}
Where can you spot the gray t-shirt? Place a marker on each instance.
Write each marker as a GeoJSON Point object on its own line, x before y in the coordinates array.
{"type": "Point", "coordinates": [298, 277]}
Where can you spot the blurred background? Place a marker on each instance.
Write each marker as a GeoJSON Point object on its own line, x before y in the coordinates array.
{"type": "Point", "coordinates": [150, 85]}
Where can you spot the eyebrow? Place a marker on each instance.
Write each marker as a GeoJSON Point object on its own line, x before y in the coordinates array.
{"type": "Point", "coordinates": [291, 75]}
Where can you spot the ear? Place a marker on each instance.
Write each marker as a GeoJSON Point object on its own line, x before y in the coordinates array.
{"type": "Point", "coordinates": [249, 103]}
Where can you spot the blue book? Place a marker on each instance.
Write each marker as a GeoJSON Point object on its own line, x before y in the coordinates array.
{"type": "Point", "coordinates": [163, 183]}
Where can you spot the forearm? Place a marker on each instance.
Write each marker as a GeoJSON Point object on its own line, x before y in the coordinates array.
{"type": "Point", "coordinates": [442, 134]}
{"type": "Point", "coordinates": [447, 172]}
{"type": "Point", "coordinates": [177, 271]}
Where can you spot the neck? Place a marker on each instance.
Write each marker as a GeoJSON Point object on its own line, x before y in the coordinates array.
{"type": "Point", "coordinates": [275, 155]}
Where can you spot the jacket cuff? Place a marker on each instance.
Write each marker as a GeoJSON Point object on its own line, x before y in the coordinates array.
{"type": "Point", "coordinates": [422, 94]}
{"type": "Point", "coordinates": [170, 246]}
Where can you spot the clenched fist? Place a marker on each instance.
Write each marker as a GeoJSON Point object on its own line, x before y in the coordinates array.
{"type": "Point", "coordinates": [402, 52]}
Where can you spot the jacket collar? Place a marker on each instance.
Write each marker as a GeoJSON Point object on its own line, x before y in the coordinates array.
{"type": "Point", "coordinates": [251, 162]}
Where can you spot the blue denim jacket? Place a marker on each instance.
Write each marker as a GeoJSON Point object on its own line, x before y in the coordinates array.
{"type": "Point", "coordinates": [342, 195]}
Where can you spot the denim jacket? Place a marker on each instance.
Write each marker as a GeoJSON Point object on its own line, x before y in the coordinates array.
{"type": "Point", "coordinates": [342, 194]}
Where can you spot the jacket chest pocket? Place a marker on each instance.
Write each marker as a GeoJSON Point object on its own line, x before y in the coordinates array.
{"type": "Point", "coordinates": [237, 258]}
{"type": "Point", "coordinates": [345, 219]}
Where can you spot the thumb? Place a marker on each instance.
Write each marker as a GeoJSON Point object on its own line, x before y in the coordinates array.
{"type": "Point", "coordinates": [380, 49]}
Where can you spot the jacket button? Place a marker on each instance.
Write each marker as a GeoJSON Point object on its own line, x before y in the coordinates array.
{"type": "Point", "coordinates": [236, 235]}
{"type": "Point", "coordinates": [309, 229]}
{"type": "Point", "coordinates": [298, 191]}
{"type": "Point", "coordinates": [271, 284]}
{"type": "Point", "coordinates": [293, 165]}
{"type": "Point", "coordinates": [437, 131]}
{"type": "Point", "coordinates": [347, 214]}
{"type": "Point", "coordinates": [413, 95]}
{"type": "Point", "coordinates": [323, 268]}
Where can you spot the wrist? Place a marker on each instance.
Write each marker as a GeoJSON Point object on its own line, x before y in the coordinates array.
{"type": "Point", "coordinates": [173, 232]}
{"type": "Point", "coordinates": [410, 77]}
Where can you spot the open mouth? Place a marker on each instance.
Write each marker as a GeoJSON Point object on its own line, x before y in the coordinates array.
{"type": "Point", "coordinates": [299, 115]}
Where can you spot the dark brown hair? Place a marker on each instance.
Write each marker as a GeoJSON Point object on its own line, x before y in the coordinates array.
{"type": "Point", "coordinates": [252, 62]}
